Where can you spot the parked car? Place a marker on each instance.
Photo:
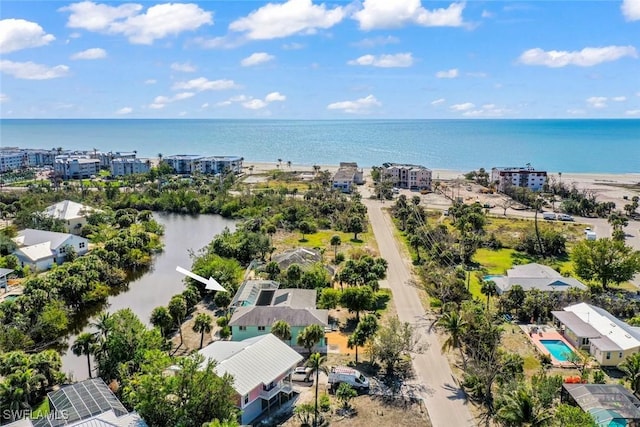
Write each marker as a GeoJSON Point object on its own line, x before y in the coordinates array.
{"type": "Point", "coordinates": [353, 377]}
{"type": "Point", "coordinates": [565, 217]}
{"type": "Point", "coordinates": [301, 373]}
{"type": "Point", "coordinates": [549, 216]}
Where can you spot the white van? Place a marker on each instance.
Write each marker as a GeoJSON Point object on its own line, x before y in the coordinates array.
{"type": "Point", "coordinates": [565, 217]}
{"type": "Point", "coordinates": [353, 377]}
{"type": "Point", "coordinates": [549, 215]}
{"type": "Point", "coordinates": [590, 235]}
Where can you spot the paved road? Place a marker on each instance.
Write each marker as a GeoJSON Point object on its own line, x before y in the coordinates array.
{"type": "Point", "coordinates": [445, 401]}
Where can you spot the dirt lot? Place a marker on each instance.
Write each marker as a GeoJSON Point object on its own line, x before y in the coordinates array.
{"type": "Point", "coordinates": [191, 340]}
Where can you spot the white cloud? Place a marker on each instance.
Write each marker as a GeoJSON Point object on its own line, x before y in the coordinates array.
{"type": "Point", "coordinates": [384, 61]}
{"type": "Point", "coordinates": [376, 41]}
{"type": "Point", "coordinates": [159, 21]}
{"type": "Point", "coordinates": [155, 106]}
{"type": "Point", "coordinates": [4, 98]}
{"type": "Point", "coordinates": [587, 57]}
{"type": "Point", "coordinates": [18, 34]}
{"type": "Point", "coordinates": [477, 74]}
{"type": "Point", "coordinates": [201, 84]}
{"type": "Point", "coordinates": [576, 111]}
{"type": "Point", "coordinates": [275, 96]}
{"type": "Point", "coordinates": [632, 112]}
{"type": "Point", "coordinates": [285, 19]}
{"type": "Point", "coordinates": [32, 71]}
{"type": "Point", "coordinates": [438, 101]}
{"type": "Point", "coordinates": [124, 111]}
{"type": "Point", "coordinates": [256, 58]}
{"type": "Point", "coordinates": [448, 74]}
{"type": "Point", "coordinates": [222, 42]}
{"type": "Point", "coordinates": [93, 53]}
{"type": "Point", "coordinates": [160, 102]}
{"type": "Point", "coordinates": [359, 106]}
{"type": "Point", "coordinates": [462, 107]}
{"type": "Point", "coordinates": [631, 9]}
{"type": "Point", "coordinates": [376, 14]}
{"type": "Point", "coordinates": [254, 104]}
{"type": "Point", "coordinates": [487, 14]}
{"type": "Point", "coordinates": [150, 81]}
{"type": "Point", "coordinates": [619, 98]}
{"type": "Point", "coordinates": [233, 100]}
{"type": "Point", "coordinates": [597, 101]}
{"type": "Point", "coordinates": [183, 67]}
{"type": "Point", "coordinates": [487, 110]}
{"type": "Point", "coordinates": [292, 46]}
{"type": "Point", "coordinates": [205, 105]}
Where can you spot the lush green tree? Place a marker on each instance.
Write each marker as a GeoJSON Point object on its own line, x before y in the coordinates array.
{"type": "Point", "coordinates": [520, 407]}
{"type": "Point", "coordinates": [605, 260]}
{"type": "Point", "coordinates": [488, 288]}
{"type": "Point", "coordinates": [84, 345]}
{"type": "Point", "coordinates": [344, 394]}
{"type": "Point", "coordinates": [329, 298]}
{"type": "Point", "coordinates": [282, 330]}
{"type": "Point", "coordinates": [272, 269]}
{"type": "Point", "coordinates": [367, 327]}
{"type": "Point", "coordinates": [306, 227]}
{"type": "Point", "coordinates": [357, 299]}
{"type": "Point", "coordinates": [356, 225]}
{"type": "Point", "coordinates": [202, 324]}
{"type": "Point", "coordinates": [572, 416]}
{"type": "Point", "coordinates": [513, 299]}
{"type": "Point", "coordinates": [317, 364]}
{"type": "Point", "coordinates": [178, 310]}
{"type": "Point", "coordinates": [222, 300]}
{"type": "Point", "coordinates": [455, 327]}
{"type": "Point", "coordinates": [161, 319]}
{"type": "Point", "coordinates": [631, 369]}
{"type": "Point", "coordinates": [393, 341]}
{"type": "Point", "coordinates": [294, 274]}
{"type": "Point", "coordinates": [310, 336]}
{"type": "Point", "coordinates": [192, 396]}
{"type": "Point", "coordinates": [335, 242]}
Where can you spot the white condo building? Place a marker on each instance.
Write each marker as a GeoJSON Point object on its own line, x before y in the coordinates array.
{"type": "Point", "coordinates": [190, 163]}
{"type": "Point", "coordinates": [129, 166]}
{"type": "Point", "coordinates": [408, 176]}
{"type": "Point", "coordinates": [76, 166]}
{"type": "Point", "coordinates": [525, 177]}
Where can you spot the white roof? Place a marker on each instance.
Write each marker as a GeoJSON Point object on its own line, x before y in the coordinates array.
{"type": "Point", "coordinates": [609, 326]}
{"type": "Point", "coordinates": [37, 252]}
{"type": "Point", "coordinates": [30, 237]}
{"type": "Point", "coordinates": [252, 362]}
{"type": "Point", "coordinates": [66, 210]}
{"type": "Point", "coordinates": [532, 270]}
{"type": "Point", "coordinates": [110, 419]}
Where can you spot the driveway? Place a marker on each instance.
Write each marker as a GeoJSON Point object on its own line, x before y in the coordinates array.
{"type": "Point", "coordinates": [443, 398]}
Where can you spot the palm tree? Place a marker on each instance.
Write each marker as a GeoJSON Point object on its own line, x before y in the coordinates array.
{"type": "Point", "coordinates": [455, 326]}
{"type": "Point", "coordinates": [310, 336]}
{"type": "Point", "coordinates": [631, 369]}
{"type": "Point", "coordinates": [316, 363]}
{"type": "Point", "coordinates": [178, 310]}
{"type": "Point", "coordinates": [488, 288]}
{"type": "Point", "coordinates": [202, 324]}
{"type": "Point", "coordinates": [103, 324]}
{"type": "Point", "coordinates": [84, 344]}
{"type": "Point", "coordinates": [521, 408]}
{"type": "Point", "coordinates": [367, 327]}
{"type": "Point", "coordinates": [335, 242]}
{"type": "Point", "coordinates": [282, 330]}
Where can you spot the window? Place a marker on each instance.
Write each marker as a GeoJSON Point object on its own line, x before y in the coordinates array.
{"type": "Point", "coordinates": [81, 245]}
{"type": "Point", "coordinates": [261, 328]}
{"type": "Point", "coordinates": [246, 399]}
{"type": "Point", "coordinates": [242, 328]}
{"type": "Point", "coordinates": [620, 355]}
{"type": "Point", "coordinates": [63, 250]}
{"type": "Point", "coordinates": [608, 355]}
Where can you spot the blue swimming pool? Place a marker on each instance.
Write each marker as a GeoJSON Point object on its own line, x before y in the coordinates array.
{"type": "Point", "coordinates": [558, 349]}
{"type": "Point", "coordinates": [492, 277]}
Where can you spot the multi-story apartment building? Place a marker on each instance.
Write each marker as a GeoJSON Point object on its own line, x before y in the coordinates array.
{"type": "Point", "coordinates": [12, 160]}
{"type": "Point", "coordinates": [524, 177]}
{"type": "Point", "coordinates": [220, 164]}
{"type": "Point", "coordinates": [408, 176]}
{"type": "Point", "coordinates": [39, 158]}
{"type": "Point", "coordinates": [76, 166]}
{"type": "Point", "coordinates": [184, 163]}
{"type": "Point", "coordinates": [129, 166]}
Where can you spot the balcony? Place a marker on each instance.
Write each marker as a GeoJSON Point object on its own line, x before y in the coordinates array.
{"type": "Point", "coordinates": [269, 394]}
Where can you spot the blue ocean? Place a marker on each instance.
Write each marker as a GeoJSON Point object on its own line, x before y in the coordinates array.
{"type": "Point", "coordinates": [572, 146]}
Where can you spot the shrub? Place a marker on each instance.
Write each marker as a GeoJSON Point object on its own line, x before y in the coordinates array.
{"type": "Point", "coordinates": [324, 402]}
{"type": "Point", "coordinates": [339, 258]}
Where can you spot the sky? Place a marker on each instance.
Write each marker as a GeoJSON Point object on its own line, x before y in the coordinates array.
{"type": "Point", "coordinates": [305, 59]}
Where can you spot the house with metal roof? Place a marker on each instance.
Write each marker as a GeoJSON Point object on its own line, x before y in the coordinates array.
{"type": "Point", "coordinates": [89, 403]}
{"type": "Point", "coordinates": [610, 405]}
{"type": "Point", "coordinates": [4, 272]}
{"type": "Point", "coordinates": [347, 176]}
{"type": "Point", "coordinates": [41, 249]}
{"type": "Point", "coordinates": [297, 307]}
{"type": "Point", "coordinates": [608, 339]}
{"type": "Point", "coordinates": [535, 276]}
{"type": "Point", "coordinates": [73, 214]}
{"type": "Point", "coordinates": [260, 367]}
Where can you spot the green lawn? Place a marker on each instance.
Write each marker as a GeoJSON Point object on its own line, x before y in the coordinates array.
{"type": "Point", "coordinates": [510, 230]}
{"type": "Point", "coordinates": [322, 239]}
{"type": "Point", "coordinates": [42, 409]}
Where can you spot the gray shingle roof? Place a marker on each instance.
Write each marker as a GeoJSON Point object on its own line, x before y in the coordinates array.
{"type": "Point", "coordinates": [266, 315]}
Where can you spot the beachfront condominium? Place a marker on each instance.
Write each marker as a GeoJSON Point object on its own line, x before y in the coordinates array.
{"type": "Point", "coordinates": [76, 166]}
{"type": "Point", "coordinates": [408, 176]}
{"type": "Point", "coordinates": [12, 160]}
{"type": "Point", "coordinates": [523, 177]}
{"type": "Point", "coordinates": [346, 176]}
{"type": "Point", "coordinates": [129, 166]}
{"type": "Point", "coordinates": [191, 163]}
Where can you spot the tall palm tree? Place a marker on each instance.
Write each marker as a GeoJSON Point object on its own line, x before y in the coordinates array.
{"type": "Point", "coordinates": [521, 408]}
{"type": "Point", "coordinates": [335, 242]}
{"type": "Point", "coordinates": [631, 369]}
{"type": "Point", "coordinates": [103, 324]}
{"type": "Point", "coordinates": [488, 288]}
{"type": "Point", "coordinates": [455, 326]}
{"type": "Point", "coordinates": [202, 324]}
{"type": "Point", "coordinates": [282, 330]}
{"type": "Point", "coordinates": [84, 344]}
{"type": "Point", "coordinates": [317, 364]}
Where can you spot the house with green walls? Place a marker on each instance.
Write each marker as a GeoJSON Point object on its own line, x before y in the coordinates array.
{"type": "Point", "coordinates": [297, 307]}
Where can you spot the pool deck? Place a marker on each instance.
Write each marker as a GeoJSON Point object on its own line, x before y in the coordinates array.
{"type": "Point", "coordinates": [545, 332]}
